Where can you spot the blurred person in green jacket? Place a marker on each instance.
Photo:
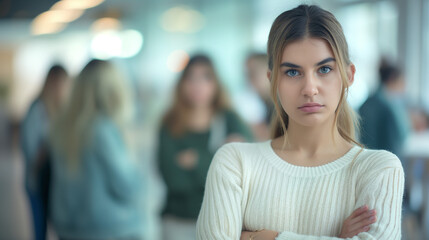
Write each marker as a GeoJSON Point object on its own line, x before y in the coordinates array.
{"type": "Point", "coordinates": [197, 124]}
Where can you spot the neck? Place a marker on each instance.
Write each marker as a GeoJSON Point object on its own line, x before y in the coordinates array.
{"type": "Point", "coordinates": [50, 106]}
{"type": "Point", "coordinates": [199, 118]}
{"type": "Point", "coordinates": [200, 111]}
{"type": "Point", "coordinates": [314, 140]}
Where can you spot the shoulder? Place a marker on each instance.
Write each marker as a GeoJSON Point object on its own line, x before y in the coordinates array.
{"type": "Point", "coordinates": [236, 153]}
{"type": "Point", "coordinates": [230, 115]}
{"type": "Point", "coordinates": [163, 129]}
{"type": "Point", "coordinates": [375, 102]}
{"type": "Point", "coordinates": [379, 159]}
{"type": "Point", "coordinates": [36, 108]}
{"type": "Point", "coordinates": [235, 124]}
{"type": "Point", "coordinates": [240, 148]}
{"type": "Point", "coordinates": [376, 162]}
{"type": "Point", "coordinates": [102, 122]}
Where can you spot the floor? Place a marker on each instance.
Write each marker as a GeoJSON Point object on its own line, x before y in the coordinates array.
{"type": "Point", "coordinates": [14, 211]}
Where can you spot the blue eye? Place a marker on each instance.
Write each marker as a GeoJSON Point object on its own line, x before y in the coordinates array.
{"type": "Point", "coordinates": [292, 73]}
{"type": "Point", "coordinates": [325, 70]}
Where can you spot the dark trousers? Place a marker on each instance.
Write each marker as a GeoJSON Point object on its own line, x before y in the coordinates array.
{"type": "Point", "coordinates": [39, 201]}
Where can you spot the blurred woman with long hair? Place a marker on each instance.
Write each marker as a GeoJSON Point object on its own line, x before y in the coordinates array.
{"type": "Point", "coordinates": [96, 181]}
{"type": "Point", "coordinates": [34, 136]}
{"type": "Point", "coordinates": [198, 123]}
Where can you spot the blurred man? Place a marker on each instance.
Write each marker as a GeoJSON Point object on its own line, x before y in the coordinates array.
{"type": "Point", "coordinates": [385, 123]}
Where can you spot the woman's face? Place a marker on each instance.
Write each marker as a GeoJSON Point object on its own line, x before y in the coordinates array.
{"type": "Point", "coordinates": [309, 82]}
{"type": "Point", "coordinates": [199, 87]}
{"type": "Point", "coordinates": [58, 89]}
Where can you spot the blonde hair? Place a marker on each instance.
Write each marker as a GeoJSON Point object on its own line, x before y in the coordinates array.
{"type": "Point", "coordinates": [177, 116]}
{"type": "Point", "coordinates": [302, 22]}
{"type": "Point", "coordinates": [98, 90]}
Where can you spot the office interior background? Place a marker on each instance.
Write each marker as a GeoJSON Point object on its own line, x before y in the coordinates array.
{"type": "Point", "coordinates": [151, 40]}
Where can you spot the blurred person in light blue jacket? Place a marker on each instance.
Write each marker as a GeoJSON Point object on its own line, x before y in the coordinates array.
{"type": "Point", "coordinates": [34, 134]}
{"type": "Point", "coordinates": [96, 182]}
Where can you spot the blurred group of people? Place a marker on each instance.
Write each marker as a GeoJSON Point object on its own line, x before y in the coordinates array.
{"type": "Point", "coordinates": [83, 177]}
{"type": "Point", "coordinates": [82, 173]}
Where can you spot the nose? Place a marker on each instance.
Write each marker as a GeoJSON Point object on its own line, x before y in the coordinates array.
{"type": "Point", "coordinates": [310, 88]}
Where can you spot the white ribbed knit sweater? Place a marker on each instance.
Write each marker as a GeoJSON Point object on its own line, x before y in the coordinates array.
{"type": "Point", "coordinates": [249, 187]}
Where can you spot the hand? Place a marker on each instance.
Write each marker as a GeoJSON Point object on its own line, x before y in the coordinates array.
{"type": "Point", "coordinates": [187, 159]}
{"type": "Point", "coordinates": [259, 235]}
{"type": "Point", "coordinates": [359, 221]}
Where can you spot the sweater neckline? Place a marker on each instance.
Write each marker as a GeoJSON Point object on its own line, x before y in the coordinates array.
{"type": "Point", "coordinates": [302, 171]}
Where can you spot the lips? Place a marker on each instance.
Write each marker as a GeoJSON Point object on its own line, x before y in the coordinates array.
{"type": "Point", "coordinates": [311, 107]}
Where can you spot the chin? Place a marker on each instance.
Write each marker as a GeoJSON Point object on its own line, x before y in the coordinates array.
{"type": "Point", "coordinates": [200, 105]}
{"type": "Point", "coordinates": [310, 120]}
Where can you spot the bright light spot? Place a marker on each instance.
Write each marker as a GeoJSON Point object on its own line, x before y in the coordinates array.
{"type": "Point", "coordinates": [106, 23]}
{"type": "Point", "coordinates": [61, 16]}
{"type": "Point", "coordinates": [177, 60]}
{"type": "Point", "coordinates": [106, 45]}
{"type": "Point", "coordinates": [46, 27]}
{"type": "Point", "coordinates": [112, 43]}
{"type": "Point", "coordinates": [76, 4]}
{"type": "Point", "coordinates": [182, 19]}
{"type": "Point", "coordinates": [54, 20]}
{"type": "Point", "coordinates": [132, 42]}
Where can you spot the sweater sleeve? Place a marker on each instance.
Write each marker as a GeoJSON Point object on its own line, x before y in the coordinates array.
{"type": "Point", "coordinates": [221, 216]}
{"type": "Point", "coordinates": [382, 189]}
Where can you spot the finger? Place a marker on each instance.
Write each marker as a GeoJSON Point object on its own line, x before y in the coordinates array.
{"type": "Point", "coordinates": [363, 223]}
{"type": "Point", "coordinates": [244, 235]}
{"type": "Point", "coordinates": [366, 223]}
{"type": "Point", "coordinates": [359, 211]}
{"type": "Point", "coordinates": [363, 216]}
{"type": "Point", "coordinates": [362, 229]}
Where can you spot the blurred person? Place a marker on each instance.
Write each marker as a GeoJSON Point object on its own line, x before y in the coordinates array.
{"type": "Point", "coordinates": [312, 181]}
{"type": "Point", "coordinates": [96, 182]}
{"type": "Point", "coordinates": [384, 117]}
{"type": "Point", "coordinates": [197, 124]}
{"type": "Point", "coordinates": [4, 128]}
{"type": "Point", "coordinates": [257, 68]}
{"type": "Point", "coordinates": [33, 137]}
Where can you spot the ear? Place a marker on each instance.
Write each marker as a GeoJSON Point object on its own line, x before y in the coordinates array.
{"type": "Point", "coordinates": [269, 75]}
{"type": "Point", "coordinates": [351, 70]}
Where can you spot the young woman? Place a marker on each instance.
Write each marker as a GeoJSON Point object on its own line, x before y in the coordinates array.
{"type": "Point", "coordinates": [34, 136]}
{"type": "Point", "coordinates": [96, 184]}
{"type": "Point", "coordinates": [198, 123]}
{"type": "Point", "coordinates": [312, 181]}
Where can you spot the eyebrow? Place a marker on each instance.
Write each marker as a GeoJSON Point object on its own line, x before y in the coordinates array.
{"type": "Point", "coordinates": [288, 64]}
